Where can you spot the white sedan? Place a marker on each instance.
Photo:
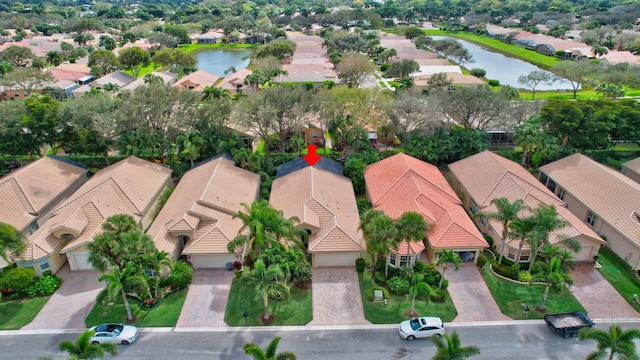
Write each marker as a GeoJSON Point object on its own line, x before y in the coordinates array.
{"type": "Point", "coordinates": [114, 333]}
{"type": "Point", "coordinates": [421, 327]}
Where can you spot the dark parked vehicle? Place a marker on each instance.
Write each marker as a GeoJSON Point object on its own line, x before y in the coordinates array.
{"type": "Point", "coordinates": [568, 324]}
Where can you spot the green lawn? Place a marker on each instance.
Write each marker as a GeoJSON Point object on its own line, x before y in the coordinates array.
{"type": "Point", "coordinates": [627, 147]}
{"type": "Point", "coordinates": [319, 151]}
{"type": "Point", "coordinates": [243, 297]}
{"type": "Point", "coordinates": [394, 311]}
{"type": "Point", "coordinates": [143, 71]}
{"type": "Point", "coordinates": [619, 275]}
{"type": "Point", "coordinates": [15, 314]}
{"type": "Point", "coordinates": [530, 56]}
{"type": "Point", "coordinates": [164, 315]}
{"type": "Point", "coordinates": [509, 296]}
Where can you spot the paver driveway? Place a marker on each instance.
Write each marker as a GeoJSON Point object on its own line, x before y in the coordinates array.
{"type": "Point", "coordinates": [336, 297]}
{"type": "Point", "coordinates": [597, 296]}
{"type": "Point", "coordinates": [206, 300]}
{"type": "Point", "coordinates": [71, 303]}
{"type": "Point", "coordinates": [471, 296]}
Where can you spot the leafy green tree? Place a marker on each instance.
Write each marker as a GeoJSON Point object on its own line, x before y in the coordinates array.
{"type": "Point", "coordinates": [266, 279]}
{"type": "Point", "coordinates": [615, 343]}
{"type": "Point", "coordinates": [535, 78]}
{"type": "Point", "coordinates": [42, 122]}
{"type": "Point", "coordinates": [153, 79]}
{"type": "Point", "coordinates": [354, 68]}
{"type": "Point", "coordinates": [179, 31]}
{"type": "Point", "coordinates": [213, 92]}
{"type": "Point", "coordinates": [5, 67]}
{"type": "Point", "coordinates": [84, 349]}
{"type": "Point", "coordinates": [380, 233]}
{"type": "Point", "coordinates": [446, 257]}
{"type": "Point", "coordinates": [450, 348]}
{"type": "Point", "coordinates": [119, 280]}
{"type": "Point", "coordinates": [162, 40]}
{"type": "Point", "coordinates": [402, 68]}
{"type": "Point", "coordinates": [279, 49]}
{"type": "Point", "coordinates": [552, 275]}
{"type": "Point", "coordinates": [10, 240]}
{"type": "Point", "coordinates": [258, 354]}
{"type": "Point", "coordinates": [479, 108]}
{"type": "Point", "coordinates": [133, 58]}
{"type": "Point", "coordinates": [610, 91]}
{"type": "Point", "coordinates": [54, 57]}
{"type": "Point", "coordinates": [105, 60]}
{"type": "Point", "coordinates": [17, 55]}
{"type": "Point", "coordinates": [82, 39]}
{"type": "Point", "coordinates": [418, 288]}
{"type": "Point", "coordinates": [66, 48]}
{"type": "Point", "coordinates": [505, 213]}
{"type": "Point", "coordinates": [536, 143]}
{"type": "Point", "coordinates": [411, 228]}
{"type": "Point", "coordinates": [576, 72]}
{"type": "Point", "coordinates": [108, 248]}
{"type": "Point", "coordinates": [191, 144]}
{"type": "Point", "coordinates": [174, 59]}
{"type": "Point", "coordinates": [413, 32]}
{"type": "Point", "coordinates": [107, 42]}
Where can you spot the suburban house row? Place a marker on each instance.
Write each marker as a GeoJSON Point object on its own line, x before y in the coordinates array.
{"type": "Point", "coordinates": [60, 210]}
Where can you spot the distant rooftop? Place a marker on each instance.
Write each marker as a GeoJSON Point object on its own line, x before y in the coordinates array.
{"type": "Point", "coordinates": [300, 163]}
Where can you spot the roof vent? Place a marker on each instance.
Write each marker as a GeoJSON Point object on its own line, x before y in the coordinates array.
{"type": "Point", "coordinates": [636, 216]}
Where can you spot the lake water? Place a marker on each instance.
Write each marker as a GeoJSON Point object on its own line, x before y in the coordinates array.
{"type": "Point", "coordinates": [503, 68]}
{"type": "Point", "coordinates": [218, 60]}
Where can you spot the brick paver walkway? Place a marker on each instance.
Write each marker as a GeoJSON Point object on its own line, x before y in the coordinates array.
{"type": "Point", "coordinates": [206, 300]}
{"type": "Point", "coordinates": [471, 296]}
{"type": "Point", "coordinates": [336, 297]}
{"type": "Point", "coordinates": [597, 296]}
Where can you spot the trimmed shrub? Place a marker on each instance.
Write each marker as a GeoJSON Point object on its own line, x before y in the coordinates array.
{"type": "Point", "coordinates": [501, 269]}
{"type": "Point", "coordinates": [477, 72]}
{"type": "Point", "coordinates": [17, 280]}
{"type": "Point", "coordinates": [237, 273]}
{"type": "Point", "coordinates": [46, 285]}
{"type": "Point", "coordinates": [363, 206]}
{"type": "Point", "coordinates": [379, 278]}
{"type": "Point", "coordinates": [360, 265]}
{"type": "Point", "coordinates": [524, 276]}
{"type": "Point", "coordinates": [384, 67]}
{"type": "Point", "coordinates": [277, 295]}
{"type": "Point", "coordinates": [514, 270]}
{"type": "Point", "coordinates": [489, 240]}
{"type": "Point", "coordinates": [421, 267]}
{"type": "Point", "coordinates": [398, 285]}
{"type": "Point", "coordinates": [237, 265]}
{"type": "Point", "coordinates": [380, 264]}
{"type": "Point", "coordinates": [385, 292]}
{"type": "Point", "coordinates": [494, 82]}
{"type": "Point", "coordinates": [303, 274]}
{"type": "Point", "coordinates": [445, 284]}
{"type": "Point", "coordinates": [482, 260]}
{"type": "Point", "coordinates": [439, 296]}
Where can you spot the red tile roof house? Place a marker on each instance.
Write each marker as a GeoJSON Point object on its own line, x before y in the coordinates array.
{"type": "Point", "coordinates": [29, 194]}
{"type": "Point", "coordinates": [197, 81]}
{"type": "Point", "coordinates": [131, 186]}
{"type": "Point", "coordinates": [325, 203]}
{"type": "Point", "coordinates": [197, 220]}
{"type": "Point", "coordinates": [402, 183]}
{"type": "Point", "coordinates": [483, 177]}
{"type": "Point", "coordinates": [603, 199]}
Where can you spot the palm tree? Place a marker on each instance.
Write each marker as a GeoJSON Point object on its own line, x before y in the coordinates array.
{"type": "Point", "coordinates": [418, 287]}
{"type": "Point", "coordinates": [553, 275]}
{"type": "Point", "coordinates": [265, 280]}
{"type": "Point", "coordinates": [191, 143]}
{"type": "Point", "coordinates": [263, 226]}
{"type": "Point", "coordinates": [505, 213]}
{"type": "Point", "coordinates": [109, 248]}
{"type": "Point", "coordinates": [451, 349]}
{"type": "Point", "coordinates": [117, 282]}
{"type": "Point", "coordinates": [84, 349]}
{"type": "Point", "coordinates": [270, 354]}
{"type": "Point", "coordinates": [521, 230]}
{"type": "Point", "coordinates": [212, 92]}
{"type": "Point", "coordinates": [548, 252]}
{"type": "Point", "coordinates": [10, 240]}
{"type": "Point", "coordinates": [54, 57]}
{"type": "Point", "coordinates": [546, 220]}
{"type": "Point", "coordinates": [380, 234]}
{"type": "Point", "coordinates": [445, 257]}
{"type": "Point", "coordinates": [411, 227]}
{"type": "Point", "coordinates": [615, 342]}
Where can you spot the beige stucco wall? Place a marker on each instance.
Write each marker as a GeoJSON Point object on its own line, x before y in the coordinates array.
{"type": "Point", "coordinates": [56, 260]}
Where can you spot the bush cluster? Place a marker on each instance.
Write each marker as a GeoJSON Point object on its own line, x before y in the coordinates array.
{"type": "Point", "coordinates": [303, 274]}
{"type": "Point", "coordinates": [22, 282]}
{"type": "Point", "coordinates": [275, 294]}
{"type": "Point", "coordinates": [360, 265]}
{"type": "Point", "coordinates": [398, 285]}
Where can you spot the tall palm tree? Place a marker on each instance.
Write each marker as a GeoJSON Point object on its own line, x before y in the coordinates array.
{"type": "Point", "coordinates": [10, 240]}
{"type": "Point", "coordinates": [84, 349]}
{"type": "Point", "coordinates": [411, 228]}
{"type": "Point", "coordinates": [451, 349]}
{"type": "Point", "coordinates": [213, 92]}
{"type": "Point", "coordinates": [521, 230]}
{"type": "Point", "coordinates": [256, 352]}
{"type": "Point", "coordinates": [505, 213]}
{"type": "Point", "coordinates": [54, 57]}
{"type": "Point", "coordinates": [615, 342]}
{"type": "Point", "coordinates": [191, 144]}
{"type": "Point", "coordinates": [265, 279]}
{"type": "Point", "coordinates": [110, 248]}
{"type": "Point", "coordinates": [118, 281]}
{"type": "Point", "coordinates": [547, 220]}
{"type": "Point", "coordinates": [380, 233]}
{"type": "Point", "coordinates": [445, 257]}
{"type": "Point", "coordinates": [553, 275]}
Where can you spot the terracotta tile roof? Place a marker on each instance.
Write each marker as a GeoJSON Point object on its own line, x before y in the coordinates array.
{"type": "Point", "coordinates": [167, 78]}
{"type": "Point", "coordinates": [26, 191]}
{"type": "Point", "coordinates": [202, 207]}
{"type": "Point", "coordinates": [117, 78]}
{"type": "Point", "coordinates": [487, 176]}
{"type": "Point", "coordinates": [128, 187]}
{"type": "Point", "coordinates": [613, 197]}
{"type": "Point", "coordinates": [198, 79]}
{"type": "Point", "coordinates": [237, 78]}
{"type": "Point", "coordinates": [402, 183]}
{"type": "Point", "coordinates": [62, 74]}
{"type": "Point", "coordinates": [324, 201]}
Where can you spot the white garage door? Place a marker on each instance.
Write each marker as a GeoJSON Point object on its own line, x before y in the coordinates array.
{"type": "Point", "coordinates": [585, 254]}
{"type": "Point", "coordinates": [335, 259]}
{"type": "Point", "coordinates": [82, 261]}
{"type": "Point", "coordinates": [211, 261]}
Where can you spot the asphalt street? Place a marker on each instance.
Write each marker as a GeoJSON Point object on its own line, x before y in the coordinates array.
{"type": "Point", "coordinates": [522, 341]}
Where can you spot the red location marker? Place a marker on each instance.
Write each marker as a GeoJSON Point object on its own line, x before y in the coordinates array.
{"type": "Point", "coordinates": [311, 156]}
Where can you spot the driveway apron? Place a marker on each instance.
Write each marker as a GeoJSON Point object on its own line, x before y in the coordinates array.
{"type": "Point", "coordinates": [470, 295]}
{"type": "Point", "coordinates": [206, 300]}
{"type": "Point", "coordinates": [71, 303]}
{"type": "Point", "coordinates": [597, 296]}
{"type": "Point", "coordinates": [336, 297]}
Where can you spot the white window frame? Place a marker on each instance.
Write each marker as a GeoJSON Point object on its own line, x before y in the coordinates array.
{"type": "Point", "coordinates": [405, 260]}
{"type": "Point", "coordinates": [511, 253]}
{"type": "Point", "coordinates": [41, 263]}
{"type": "Point", "coordinates": [525, 255]}
{"type": "Point", "coordinates": [33, 227]}
{"type": "Point", "coordinates": [591, 219]}
{"type": "Point", "coordinates": [560, 193]}
{"type": "Point", "coordinates": [392, 259]}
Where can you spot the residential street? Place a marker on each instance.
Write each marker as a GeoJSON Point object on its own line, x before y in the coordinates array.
{"type": "Point", "coordinates": [531, 340]}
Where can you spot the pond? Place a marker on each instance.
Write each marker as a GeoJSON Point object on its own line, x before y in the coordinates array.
{"type": "Point", "coordinates": [218, 60]}
{"type": "Point", "coordinates": [503, 68]}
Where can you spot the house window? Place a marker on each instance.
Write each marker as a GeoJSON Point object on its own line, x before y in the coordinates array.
{"type": "Point", "coordinates": [404, 260]}
{"type": "Point", "coordinates": [560, 193]}
{"type": "Point", "coordinates": [543, 178]}
{"type": "Point", "coordinates": [511, 255]}
{"type": "Point", "coordinates": [44, 265]}
{"type": "Point", "coordinates": [591, 218]}
{"type": "Point", "coordinates": [483, 221]}
{"type": "Point", "coordinates": [525, 255]}
{"type": "Point", "coordinates": [417, 259]}
{"type": "Point", "coordinates": [551, 185]}
{"type": "Point", "coordinates": [473, 208]}
{"type": "Point", "coordinates": [451, 87]}
{"type": "Point", "coordinates": [33, 226]}
{"type": "Point", "coordinates": [392, 259]}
